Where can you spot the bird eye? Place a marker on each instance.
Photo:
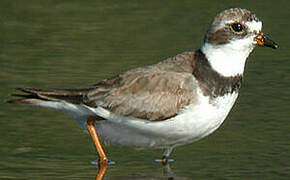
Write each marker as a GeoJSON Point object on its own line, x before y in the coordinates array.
{"type": "Point", "coordinates": [237, 27]}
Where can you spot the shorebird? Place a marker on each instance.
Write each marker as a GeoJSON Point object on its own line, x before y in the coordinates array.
{"type": "Point", "coordinates": [174, 102]}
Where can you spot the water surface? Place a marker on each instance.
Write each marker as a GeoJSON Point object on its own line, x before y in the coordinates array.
{"type": "Point", "coordinates": [71, 44]}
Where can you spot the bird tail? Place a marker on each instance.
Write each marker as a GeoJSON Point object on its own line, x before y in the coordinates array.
{"type": "Point", "coordinates": [32, 96]}
{"type": "Point", "coordinates": [69, 101]}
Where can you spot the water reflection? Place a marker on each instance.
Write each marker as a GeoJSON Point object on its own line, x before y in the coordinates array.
{"type": "Point", "coordinates": [167, 174]}
{"type": "Point", "coordinates": [101, 172]}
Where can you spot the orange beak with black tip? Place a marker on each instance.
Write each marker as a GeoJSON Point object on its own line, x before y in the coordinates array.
{"type": "Point", "coordinates": [263, 40]}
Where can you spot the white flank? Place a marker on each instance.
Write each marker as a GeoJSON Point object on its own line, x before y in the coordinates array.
{"type": "Point", "coordinates": [193, 123]}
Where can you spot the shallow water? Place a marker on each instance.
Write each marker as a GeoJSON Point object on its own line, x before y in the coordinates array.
{"type": "Point", "coordinates": [70, 44]}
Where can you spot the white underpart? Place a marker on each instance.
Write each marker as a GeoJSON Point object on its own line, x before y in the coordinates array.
{"type": "Point", "coordinates": [193, 123]}
{"type": "Point", "coordinates": [229, 59]}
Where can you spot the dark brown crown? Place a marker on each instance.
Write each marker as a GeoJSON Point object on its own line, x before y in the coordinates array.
{"type": "Point", "coordinates": [220, 34]}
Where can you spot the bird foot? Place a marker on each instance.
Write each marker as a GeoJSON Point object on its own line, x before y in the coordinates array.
{"type": "Point", "coordinates": [164, 160]}
{"type": "Point", "coordinates": [97, 162]}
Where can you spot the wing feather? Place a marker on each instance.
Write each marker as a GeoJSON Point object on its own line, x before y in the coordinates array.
{"type": "Point", "coordinates": [154, 93]}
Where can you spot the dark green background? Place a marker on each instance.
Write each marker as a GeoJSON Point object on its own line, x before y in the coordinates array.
{"type": "Point", "coordinates": [75, 43]}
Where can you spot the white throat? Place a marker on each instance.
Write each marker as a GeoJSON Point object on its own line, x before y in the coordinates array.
{"type": "Point", "coordinates": [227, 59]}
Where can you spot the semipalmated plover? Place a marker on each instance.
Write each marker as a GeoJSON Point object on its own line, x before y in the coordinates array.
{"type": "Point", "coordinates": [175, 102]}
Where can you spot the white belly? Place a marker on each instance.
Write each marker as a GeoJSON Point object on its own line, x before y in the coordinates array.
{"type": "Point", "coordinates": [195, 122]}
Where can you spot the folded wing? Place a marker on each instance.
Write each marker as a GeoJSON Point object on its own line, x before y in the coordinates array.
{"type": "Point", "coordinates": [153, 93]}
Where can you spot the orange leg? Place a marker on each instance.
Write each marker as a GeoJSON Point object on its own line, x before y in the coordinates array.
{"type": "Point", "coordinates": [101, 172]}
{"type": "Point", "coordinates": [103, 159]}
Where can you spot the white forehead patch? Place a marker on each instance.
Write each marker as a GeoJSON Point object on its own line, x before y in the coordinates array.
{"type": "Point", "coordinates": [254, 26]}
